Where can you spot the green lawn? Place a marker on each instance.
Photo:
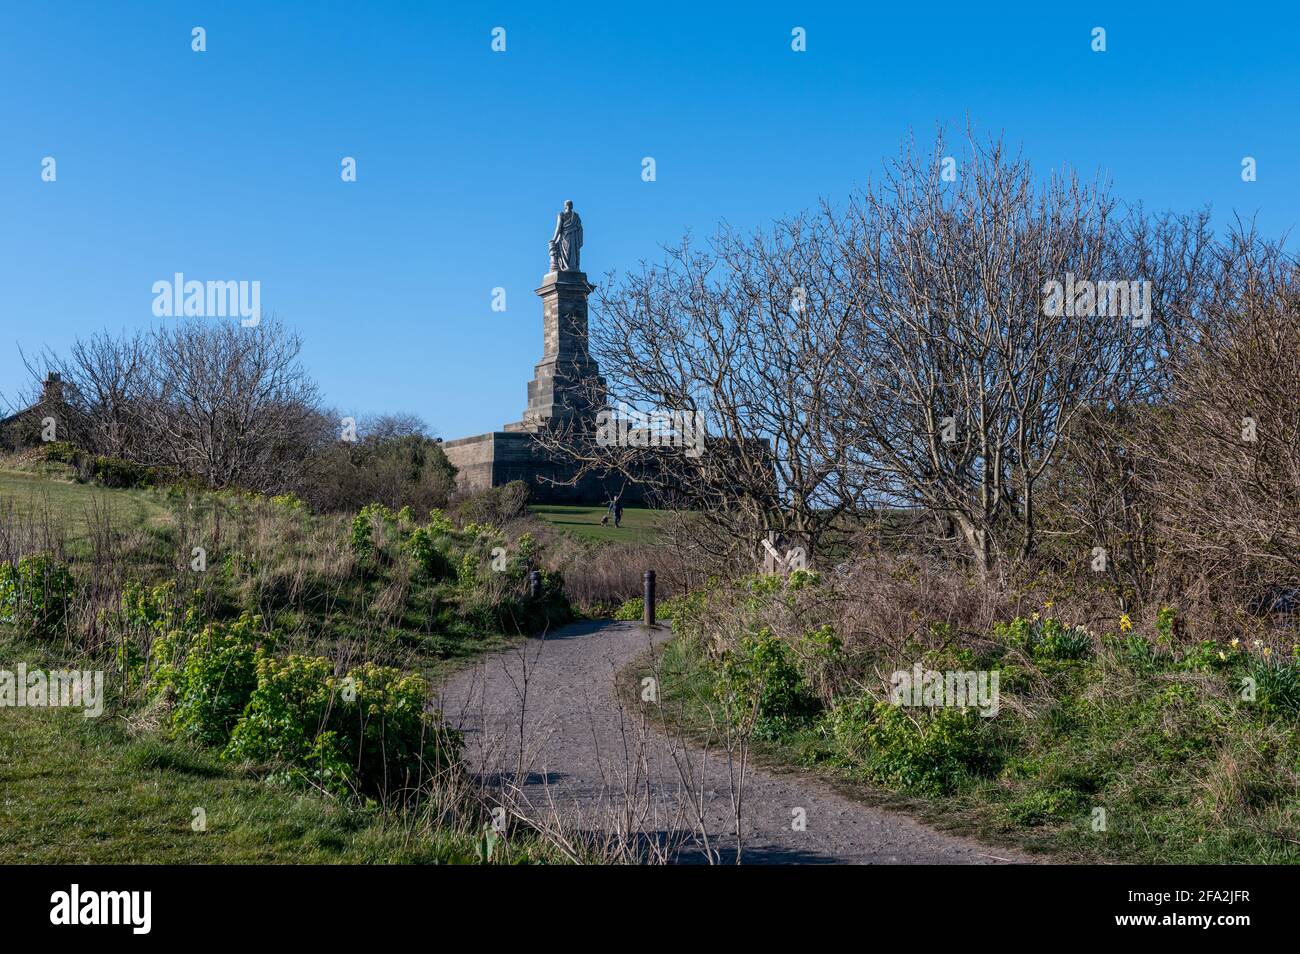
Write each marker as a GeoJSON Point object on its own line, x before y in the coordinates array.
{"type": "Point", "coordinates": [640, 525]}
{"type": "Point", "coordinates": [72, 505]}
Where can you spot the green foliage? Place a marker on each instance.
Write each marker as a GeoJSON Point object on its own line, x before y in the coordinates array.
{"type": "Point", "coordinates": [1277, 685]}
{"type": "Point", "coordinates": [116, 472]}
{"type": "Point", "coordinates": [1044, 805]}
{"type": "Point", "coordinates": [1046, 638]}
{"type": "Point", "coordinates": [429, 558]}
{"type": "Point", "coordinates": [929, 751]}
{"type": "Point", "coordinates": [209, 676]}
{"type": "Point", "coordinates": [290, 502]}
{"type": "Point", "coordinates": [365, 733]}
{"type": "Point", "coordinates": [61, 452]}
{"type": "Point", "coordinates": [631, 610]}
{"type": "Point", "coordinates": [364, 525]}
{"type": "Point", "coordinates": [760, 680]}
{"type": "Point", "coordinates": [35, 594]}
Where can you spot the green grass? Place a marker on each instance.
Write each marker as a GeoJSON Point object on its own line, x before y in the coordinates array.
{"type": "Point", "coordinates": [1186, 774]}
{"type": "Point", "coordinates": [82, 791]}
{"type": "Point", "coordinates": [73, 506]}
{"type": "Point", "coordinates": [640, 525]}
{"type": "Point", "coordinates": [117, 789]}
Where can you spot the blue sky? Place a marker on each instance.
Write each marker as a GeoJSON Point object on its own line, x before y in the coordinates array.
{"type": "Point", "coordinates": [225, 164]}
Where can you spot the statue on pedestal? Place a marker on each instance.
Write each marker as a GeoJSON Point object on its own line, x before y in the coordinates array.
{"type": "Point", "coordinates": [566, 243]}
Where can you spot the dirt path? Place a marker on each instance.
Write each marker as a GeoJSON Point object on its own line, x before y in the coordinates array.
{"type": "Point", "coordinates": [590, 760]}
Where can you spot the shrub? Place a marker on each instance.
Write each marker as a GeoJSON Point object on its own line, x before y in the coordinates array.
{"type": "Point", "coordinates": [759, 677]}
{"type": "Point", "coordinates": [363, 527]}
{"type": "Point", "coordinates": [494, 505]}
{"type": "Point", "coordinates": [633, 609]}
{"type": "Point", "coordinates": [35, 594]}
{"type": "Point", "coordinates": [61, 452]}
{"type": "Point", "coordinates": [926, 751]}
{"type": "Point", "coordinates": [429, 558]}
{"type": "Point", "coordinates": [1046, 638]}
{"type": "Point", "coordinates": [209, 676]}
{"type": "Point", "coordinates": [367, 732]}
{"type": "Point", "coordinates": [116, 472]}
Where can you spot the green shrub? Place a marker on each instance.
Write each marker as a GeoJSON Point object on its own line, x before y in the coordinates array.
{"type": "Point", "coordinates": [209, 676]}
{"type": "Point", "coordinates": [429, 558]}
{"type": "Point", "coordinates": [116, 472]}
{"type": "Point", "coordinates": [35, 594]}
{"type": "Point", "coordinates": [759, 678]}
{"type": "Point", "coordinates": [61, 452]}
{"type": "Point", "coordinates": [364, 525]}
{"type": "Point", "coordinates": [1046, 638]}
{"type": "Point", "coordinates": [365, 733]}
{"type": "Point", "coordinates": [930, 751]}
{"type": "Point", "coordinates": [631, 610]}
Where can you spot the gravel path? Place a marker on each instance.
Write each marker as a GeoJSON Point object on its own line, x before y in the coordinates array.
{"type": "Point", "coordinates": [582, 759]}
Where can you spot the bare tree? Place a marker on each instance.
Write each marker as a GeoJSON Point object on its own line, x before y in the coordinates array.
{"type": "Point", "coordinates": [719, 366]}
{"type": "Point", "coordinates": [230, 404]}
{"type": "Point", "coordinates": [964, 378]}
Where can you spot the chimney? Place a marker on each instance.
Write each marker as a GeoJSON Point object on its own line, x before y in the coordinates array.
{"type": "Point", "coordinates": [52, 390]}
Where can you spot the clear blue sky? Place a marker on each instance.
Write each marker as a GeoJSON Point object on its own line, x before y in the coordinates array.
{"type": "Point", "coordinates": [225, 164]}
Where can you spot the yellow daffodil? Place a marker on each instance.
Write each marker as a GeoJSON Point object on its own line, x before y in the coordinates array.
{"type": "Point", "coordinates": [1125, 624]}
{"type": "Point", "coordinates": [1234, 643]}
{"type": "Point", "coordinates": [1268, 650]}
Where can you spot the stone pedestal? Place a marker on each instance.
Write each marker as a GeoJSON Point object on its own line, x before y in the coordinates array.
{"type": "Point", "coordinates": [566, 383]}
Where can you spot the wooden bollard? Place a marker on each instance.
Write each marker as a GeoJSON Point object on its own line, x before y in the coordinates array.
{"type": "Point", "coordinates": [535, 584]}
{"type": "Point", "coordinates": [649, 597]}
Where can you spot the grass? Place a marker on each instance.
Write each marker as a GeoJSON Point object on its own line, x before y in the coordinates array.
{"type": "Point", "coordinates": [83, 791]}
{"type": "Point", "coordinates": [70, 504]}
{"type": "Point", "coordinates": [118, 789]}
{"type": "Point", "coordinates": [1184, 771]}
{"type": "Point", "coordinates": [640, 525]}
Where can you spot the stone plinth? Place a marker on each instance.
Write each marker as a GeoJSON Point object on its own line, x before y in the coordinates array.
{"type": "Point", "coordinates": [490, 460]}
{"type": "Point", "coordinates": [566, 382]}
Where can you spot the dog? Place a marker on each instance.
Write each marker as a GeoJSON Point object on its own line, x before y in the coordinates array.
{"type": "Point", "coordinates": [604, 521]}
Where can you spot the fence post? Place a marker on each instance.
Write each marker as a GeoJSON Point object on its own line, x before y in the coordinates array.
{"type": "Point", "coordinates": [535, 584]}
{"type": "Point", "coordinates": [649, 597]}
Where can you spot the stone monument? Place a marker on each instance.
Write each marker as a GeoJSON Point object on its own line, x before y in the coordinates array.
{"type": "Point", "coordinates": [566, 392]}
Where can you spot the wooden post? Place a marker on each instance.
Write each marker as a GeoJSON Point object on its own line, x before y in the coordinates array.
{"type": "Point", "coordinates": [535, 584]}
{"type": "Point", "coordinates": [649, 597]}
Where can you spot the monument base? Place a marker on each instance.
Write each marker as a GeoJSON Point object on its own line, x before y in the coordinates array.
{"type": "Point", "coordinates": [496, 458]}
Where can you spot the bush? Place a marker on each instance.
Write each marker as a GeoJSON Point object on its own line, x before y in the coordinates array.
{"type": "Point", "coordinates": [428, 556]}
{"type": "Point", "coordinates": [367, 732]}
{"type": "Point", "coordinates": [35, 594]}
{"type": "Point", "coordinates": [927, 751]}
{"type": "Point", "coordinates": [116, 472]}
{"type": "Point", "coordinates": [759, 677]}
{"type": "Point", "coordinates": [1046, 638]}
{"type": "Point", "coordinates": [364, 524]}
{"type": "Point", "coordinates": [496, 506]}
{"type": "Point", "coordinates": [631, 610]}
{"type": "Point", "coordinates": [209, 676]}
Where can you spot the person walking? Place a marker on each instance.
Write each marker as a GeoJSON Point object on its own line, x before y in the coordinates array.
{"type": "Point", "coordinates": [618, 512]}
